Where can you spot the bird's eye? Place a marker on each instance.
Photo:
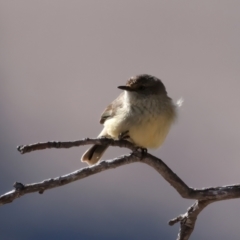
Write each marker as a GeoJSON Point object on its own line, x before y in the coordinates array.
{"type": "Point", "coordinates": [141, 87]}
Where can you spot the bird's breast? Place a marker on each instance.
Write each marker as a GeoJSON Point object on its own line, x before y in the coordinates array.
{"type": "Point", "coordinates": [150, 131]}
{"type": "Point", "coordinates": [147, 126]}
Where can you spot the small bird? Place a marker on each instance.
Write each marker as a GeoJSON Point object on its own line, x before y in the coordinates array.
{"type": "Point", "coordinates": [142, 114]}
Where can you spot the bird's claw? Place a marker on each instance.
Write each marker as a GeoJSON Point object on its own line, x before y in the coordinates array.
{"type": "Point", "coordinates": [142, 150]}
{"type": "Point", "coordinates": [123, 135]}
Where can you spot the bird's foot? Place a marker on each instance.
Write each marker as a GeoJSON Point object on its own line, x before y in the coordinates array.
{"type": "Point", "coordinates": [142, 150]}
{"type": "Point", "coordinates": [124, 135]}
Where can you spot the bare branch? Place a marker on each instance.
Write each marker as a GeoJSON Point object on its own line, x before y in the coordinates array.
{"type": "Point", "coordinates": [221, 193]}
{"type": "Point", "coordinates": [22, 189]}
{"type": "Point", "coordinates": [87, 141]}
{"type": "Point", "coordinates": [204, 196]}
{"type": "Point", "coordinates": [188, 220]}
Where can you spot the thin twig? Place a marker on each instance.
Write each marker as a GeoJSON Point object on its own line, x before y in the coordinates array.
{"type": "Point", "coordinates": [22, 189]}
{"type": "Point", "coordinates": [87, 141]}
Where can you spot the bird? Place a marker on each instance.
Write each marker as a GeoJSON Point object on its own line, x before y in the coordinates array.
{"type": "Point", "coordinates": [142, 114]}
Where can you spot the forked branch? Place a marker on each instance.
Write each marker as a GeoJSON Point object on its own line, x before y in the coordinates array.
{"type": "Point", "coordinates": [204, 196]}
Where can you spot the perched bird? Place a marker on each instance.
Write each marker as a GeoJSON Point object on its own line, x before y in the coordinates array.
{"type": "Point", "coordinates": [143, 114]}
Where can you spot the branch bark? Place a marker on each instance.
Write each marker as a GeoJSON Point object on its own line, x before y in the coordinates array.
{"type": "Point", "coordinates": [204, 196]}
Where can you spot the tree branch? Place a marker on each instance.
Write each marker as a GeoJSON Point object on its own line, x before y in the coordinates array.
{"type": "Point", "coordinates": [87, 141]}
{"type": "Point", "coordinates": [204, 196]}
{"type": "Point", "coordinates": [188, 220]}
{"type": "Point", "coordinates": [22, 189]}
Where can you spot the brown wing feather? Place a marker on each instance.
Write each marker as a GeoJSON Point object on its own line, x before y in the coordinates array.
{"type": "Point", "coordinates": [111, 109]}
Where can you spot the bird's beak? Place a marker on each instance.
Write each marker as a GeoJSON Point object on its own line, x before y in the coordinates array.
{"type": "Point", "coordinates": [127, 88]}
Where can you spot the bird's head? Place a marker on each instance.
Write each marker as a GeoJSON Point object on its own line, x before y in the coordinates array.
{"type": "Point", "coordinates": [144, 84]}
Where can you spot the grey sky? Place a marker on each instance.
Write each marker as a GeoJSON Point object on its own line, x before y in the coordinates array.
{"type": "Point", "coordinates": [60, 65]}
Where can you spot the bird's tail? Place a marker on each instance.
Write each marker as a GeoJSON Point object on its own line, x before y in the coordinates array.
{"type": "Point", "coordinates": [93, 154]}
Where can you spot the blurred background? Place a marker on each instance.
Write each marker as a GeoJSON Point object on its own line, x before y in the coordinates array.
{"type": "Point", "coordinates": [60, 65]}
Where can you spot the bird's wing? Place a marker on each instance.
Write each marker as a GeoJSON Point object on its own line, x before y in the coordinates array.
{"type": "Point", "coordinates": [111, 109]}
